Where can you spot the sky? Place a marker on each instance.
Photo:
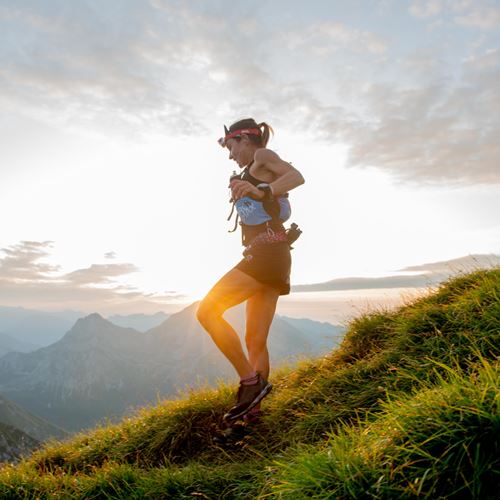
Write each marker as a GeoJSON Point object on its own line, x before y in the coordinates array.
{"type": "Point", "coordinates": [113, 190]}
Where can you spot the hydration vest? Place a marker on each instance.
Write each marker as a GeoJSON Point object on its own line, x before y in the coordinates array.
{"type": "Point", "coordinates": [257, 216]}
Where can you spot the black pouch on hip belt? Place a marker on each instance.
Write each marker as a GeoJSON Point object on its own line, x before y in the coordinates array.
{"type": "Point", "coordinates": [292, 234]}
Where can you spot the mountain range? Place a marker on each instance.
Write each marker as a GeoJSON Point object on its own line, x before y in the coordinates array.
{"type": "Point", "coordinates": [36, 328]}
{"type": "Point", "coordinates": [102, 371]}
{"type": "Point", "coordinates": [26, 330]}
{"type": "Point", "coordinates": [9, 343]}
{"type": "Point", "coordinates": [140, 322]}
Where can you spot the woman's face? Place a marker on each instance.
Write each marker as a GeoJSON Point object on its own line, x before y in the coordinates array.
{"type": "Point", "coordinates": [240, 151]}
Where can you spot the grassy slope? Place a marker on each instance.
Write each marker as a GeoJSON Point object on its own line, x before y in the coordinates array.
{"type": "Point", "coordinates": [406, 407]}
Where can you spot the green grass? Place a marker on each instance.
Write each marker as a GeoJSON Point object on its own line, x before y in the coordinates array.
{"type": "Point", "coordinates": [441, 441]}
{"type": "Point", "coordinates": [406, 407]}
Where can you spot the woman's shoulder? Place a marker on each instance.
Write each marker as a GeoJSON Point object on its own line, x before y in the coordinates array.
{"type": "Point", "coordinates": [268, 160]}
{"type": "Point", "coordinates": [263, 155]}
{"type": "Point", "coordinates": [264, 161]}
{"type": "Point", "coordinates": [258, 170]}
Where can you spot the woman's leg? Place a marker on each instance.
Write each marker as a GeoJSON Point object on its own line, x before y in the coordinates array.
{"type": "Point", "coordinates": [232, 289]}
{"type": "Point", "coordinates": [260, 313]}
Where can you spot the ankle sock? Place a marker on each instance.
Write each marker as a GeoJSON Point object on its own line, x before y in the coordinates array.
{"type": "Point", "coordinates": [253, 415]}
{"type": "Point", "coordinates": [251, 379]}
{"type": "Point", "coordinates": [255, 410]}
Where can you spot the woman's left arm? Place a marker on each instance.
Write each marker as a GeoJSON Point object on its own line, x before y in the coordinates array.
{"type": "Point", "coordinates": [287, 177]}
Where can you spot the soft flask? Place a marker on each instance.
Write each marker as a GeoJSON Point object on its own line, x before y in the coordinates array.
{"type": "Point", "coordinates": [292, 234]}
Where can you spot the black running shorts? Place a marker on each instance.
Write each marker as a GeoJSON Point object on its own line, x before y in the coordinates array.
{"type": "Point", "coordinates": [269, 263]}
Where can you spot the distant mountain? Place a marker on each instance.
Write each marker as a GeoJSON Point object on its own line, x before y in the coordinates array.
{"type": "Point", "coordinates": [429, 274]}
{"type": "Point", "coordinates": [37, 428]}
{"type": "Point", "coordinates": [325, 334]}
{"type": "Point", "coordinates": [192, 353]}
{"type": "Point", "coordinates": [8, 344]}
{"type": "Point", "coordinates": [139, 322]}
{"type": "Point", "coordinates": [100, 370]}
{"type": "Point", "coordinates": [97, 369]}
{"type": "Point", "coordinates": [15, 444]}
{"type": "Point", "coordinates": [37, 328]}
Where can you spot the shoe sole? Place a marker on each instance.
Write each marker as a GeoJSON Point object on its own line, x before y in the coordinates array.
{"type": "Point", "coordinates": [230, 440]}
{"type": "Point", "coordinates": [255, 402]}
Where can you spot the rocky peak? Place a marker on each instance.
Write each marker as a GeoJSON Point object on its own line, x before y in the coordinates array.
{"type": "Point", "coordinates": [90, 326]}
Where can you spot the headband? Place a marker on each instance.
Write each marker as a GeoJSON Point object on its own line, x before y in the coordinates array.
{"type": "Point", "coordinates": [238, 133]}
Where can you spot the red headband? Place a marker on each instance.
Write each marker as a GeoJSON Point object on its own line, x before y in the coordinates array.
{"type": "Point", "coordinates": [248, 131]}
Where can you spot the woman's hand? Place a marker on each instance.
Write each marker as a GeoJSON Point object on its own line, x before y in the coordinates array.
{"type": "Point", "coordinates": [239, 189]}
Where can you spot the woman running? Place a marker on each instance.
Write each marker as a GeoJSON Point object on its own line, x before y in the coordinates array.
{"type": "Point", "coordinates": [260, 196]}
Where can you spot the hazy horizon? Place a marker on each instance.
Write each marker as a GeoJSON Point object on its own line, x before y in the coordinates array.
{"type": "Point", "coordinates": [335, 301]}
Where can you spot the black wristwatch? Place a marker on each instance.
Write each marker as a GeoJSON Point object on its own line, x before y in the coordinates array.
{"type": "Point", "coordinates": [268, 193]}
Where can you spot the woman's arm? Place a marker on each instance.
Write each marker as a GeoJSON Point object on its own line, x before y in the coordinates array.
{"type": "Point", "coordinates": [286, 176]}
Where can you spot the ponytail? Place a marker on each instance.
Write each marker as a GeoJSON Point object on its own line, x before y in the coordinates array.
{"type": "Point", "coordinates": [267, 130]}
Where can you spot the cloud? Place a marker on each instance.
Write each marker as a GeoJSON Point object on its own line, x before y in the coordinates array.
{"type": "Point", "coordinates": [462, 264]}
{"type": "Point", "coordinates": [83, 66]}
{"type": "Point", "coordinates": [26, 281]}
{"type": "Point", "coordinates": [99, 274]}
{"type": "Point", "coordinates": [327, 37]}
{"type": "Point", "coordinates": [369, 283]}
{"type": "Point", "coordinates": [438, 125]}
{"type": "Point", "coordinates": [484, 17]}
{"type": "Point", "coordinates": [428, 134]}
{"type": "Point", "coordinates": [179, 67]}
{"type": "Point", "coordinates": [425, 8]}
{"type": "Point", "coordinates": [21, 262]}
{"type": "Point", "coordinates": [480, 14]}
{"type": "Point", "coordinates": [153, 67]}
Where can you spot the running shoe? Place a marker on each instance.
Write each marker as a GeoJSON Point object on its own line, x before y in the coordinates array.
{"type": "Point", "coordinates": [232, 436]}
{"type": "Point", "coordinates": [252, 417]}
{"type": "Point", "coordinates": [248, 397]}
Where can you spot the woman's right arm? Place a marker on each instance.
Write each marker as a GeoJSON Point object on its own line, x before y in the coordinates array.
{"type": "Point", "coordinates": [287, 177]}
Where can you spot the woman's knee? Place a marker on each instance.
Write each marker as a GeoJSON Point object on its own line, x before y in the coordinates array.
{"type": "Point", "coordinates": [207, 311]}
